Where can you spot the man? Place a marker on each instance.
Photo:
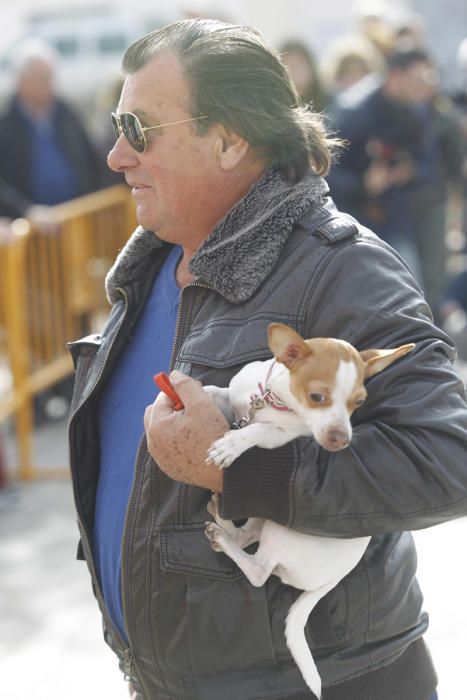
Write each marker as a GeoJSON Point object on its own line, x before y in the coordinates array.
{"type": "Point", "coordinates": [46, 156]}
{"type": "Point", "coordinates": [387, 159]}
{"type": "Point", "coordinates": [237, 231]}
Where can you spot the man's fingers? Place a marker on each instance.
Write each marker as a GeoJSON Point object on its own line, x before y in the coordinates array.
{"type": "Point", "coordinates": [163, 407]}
{"type": "Point", "coordinates": [190, 390]}
{"type": "Point", "coordinates": [177, 377]}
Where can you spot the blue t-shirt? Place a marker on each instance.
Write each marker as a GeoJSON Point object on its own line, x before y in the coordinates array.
{"type": "Point", "coordinates": [51, 173]}
{"type": "Point", "coordinates": [130, 389]}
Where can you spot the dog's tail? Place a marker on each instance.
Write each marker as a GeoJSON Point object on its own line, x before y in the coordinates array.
{"type": "Point", "coordinates": [296, 640]}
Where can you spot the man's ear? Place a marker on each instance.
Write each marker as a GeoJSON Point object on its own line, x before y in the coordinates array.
{"type": "Point", "coordinates": [377, 360]}
{"type": "Point", "coordinates": [231, 148]}
{"type": "Point", "coordinates": [286, 345]}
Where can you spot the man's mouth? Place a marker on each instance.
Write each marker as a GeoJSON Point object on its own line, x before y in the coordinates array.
{"type": "Point", "coordinates": [136, 189]}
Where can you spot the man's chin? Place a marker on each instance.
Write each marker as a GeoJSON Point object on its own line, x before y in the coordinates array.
{"type": "Point", "coordinates": [144, 219]}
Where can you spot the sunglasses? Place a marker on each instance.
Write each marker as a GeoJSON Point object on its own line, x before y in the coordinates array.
{"type": "Point", "coordinates": [129, 125]}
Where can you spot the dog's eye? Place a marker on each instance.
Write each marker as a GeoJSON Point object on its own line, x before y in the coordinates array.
{"type": "Point", "coordinates": [359, 402]}
{"type": "Point", "coordinates": [317, 398]}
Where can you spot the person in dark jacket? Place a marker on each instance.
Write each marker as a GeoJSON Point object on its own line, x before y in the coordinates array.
{"type": "Point", "coordinates": [460, 101]}
{"type": "Point", "coordinates": [386, 161]}
{"type": "Point", "coordinates": [46, 156]}
{"type": "Point", "coordinates": [237, 229]}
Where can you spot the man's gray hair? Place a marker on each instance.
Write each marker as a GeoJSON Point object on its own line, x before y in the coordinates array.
{"type": "Point", "coordinates": [237, 80]}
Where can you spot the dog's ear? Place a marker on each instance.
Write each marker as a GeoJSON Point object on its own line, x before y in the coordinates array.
{"type": "Point", "coordinates": [286, 344]}
{"type": "Point", "coordinates": [377, 360]}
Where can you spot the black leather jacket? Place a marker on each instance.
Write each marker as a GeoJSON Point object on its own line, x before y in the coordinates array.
{"type": "Point", "coordinates": [197, 628]}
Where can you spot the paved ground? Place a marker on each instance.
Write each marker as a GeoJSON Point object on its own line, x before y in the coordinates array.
{"type": "Point", "coordinates": [50, 641]}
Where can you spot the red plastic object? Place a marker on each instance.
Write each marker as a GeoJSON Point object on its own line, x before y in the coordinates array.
{"type": "Point", "coordinates": [163, 382]}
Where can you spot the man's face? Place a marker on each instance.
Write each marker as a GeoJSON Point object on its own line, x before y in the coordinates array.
{"type": "Point", "coordinates": [417, 83]}
{"type": "Point", "coordinates": [35, 85]}
{"type": "Point", "coordinates": [175, 180]}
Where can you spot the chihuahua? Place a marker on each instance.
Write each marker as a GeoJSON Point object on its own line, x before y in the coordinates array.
{"type": "Point", "coordinates": [309, 387]}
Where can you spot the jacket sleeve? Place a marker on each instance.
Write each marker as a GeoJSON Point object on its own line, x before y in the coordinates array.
{"type": "Point", "coordinates": [406, 467]}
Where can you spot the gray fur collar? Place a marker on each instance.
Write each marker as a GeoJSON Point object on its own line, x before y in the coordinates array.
{"type": "Point", "coordinates": [244, 247]}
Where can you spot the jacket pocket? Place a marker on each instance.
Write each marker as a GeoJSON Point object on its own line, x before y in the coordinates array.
{"type": "Point", "coordinates": [224, 621]}
{"type": "Point", "coordinates": [342, 613]}
{"type": "Point", "coordinates": [215, 353]}
{"type": "Point", "coordinates": [225, 343]}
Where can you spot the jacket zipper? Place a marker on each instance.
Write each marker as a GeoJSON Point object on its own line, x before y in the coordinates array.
{"type": "Point", "coordinates": [129, 659]}
{"type": "Point", "coordinates": [179, 316]}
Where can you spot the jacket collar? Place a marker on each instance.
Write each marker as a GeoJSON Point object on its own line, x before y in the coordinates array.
{"type": "Point", "coordinates": [244, 247]}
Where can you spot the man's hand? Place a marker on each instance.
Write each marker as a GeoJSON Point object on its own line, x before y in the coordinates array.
{"type": "Point", "coordinates": [377, 178]}
{"type": "Point", "coordinates": [178, 440]}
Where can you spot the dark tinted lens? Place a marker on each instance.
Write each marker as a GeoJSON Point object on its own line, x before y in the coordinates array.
{"type": "Point", "coordinates": [115, 124]}
{"type": "Point", "coordinates": [133, 131]}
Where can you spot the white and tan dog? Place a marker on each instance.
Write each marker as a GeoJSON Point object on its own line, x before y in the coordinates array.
{"type": "Point", "coordinates": [309, 387]}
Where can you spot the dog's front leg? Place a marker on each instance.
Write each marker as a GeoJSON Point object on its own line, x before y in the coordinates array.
{"type": "Point", "coordinates": [225, 450]}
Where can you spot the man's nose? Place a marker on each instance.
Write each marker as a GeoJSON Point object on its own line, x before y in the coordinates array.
{"type": "Point", "coordinates": [122, 156]}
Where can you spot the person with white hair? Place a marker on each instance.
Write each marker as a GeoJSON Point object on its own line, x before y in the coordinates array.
{"type": "Point", "coordinates": [46, 156]}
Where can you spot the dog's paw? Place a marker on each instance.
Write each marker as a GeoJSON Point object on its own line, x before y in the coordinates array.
{"type": "Point", "coordinates": [214, 534]}
{"type": "Point", "coordinates": [224, 451]}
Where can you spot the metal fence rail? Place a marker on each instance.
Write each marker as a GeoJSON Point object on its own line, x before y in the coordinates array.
{"type": "Point", "coordinates": [52, 291]}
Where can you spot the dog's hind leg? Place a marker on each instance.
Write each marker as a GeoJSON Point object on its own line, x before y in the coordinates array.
{"type": "Point", "coordinates": [242, 536]}
{"type": "Point", "coordinates": [256, 569]}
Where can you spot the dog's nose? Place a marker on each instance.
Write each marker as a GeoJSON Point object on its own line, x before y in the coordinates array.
{"type": "Point", "coordinates": [338, 439]}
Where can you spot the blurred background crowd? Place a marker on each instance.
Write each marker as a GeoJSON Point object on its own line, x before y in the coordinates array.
{"type": "Point", "coordinates": [390, 78]}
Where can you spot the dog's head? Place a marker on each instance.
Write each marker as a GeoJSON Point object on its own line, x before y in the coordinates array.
{"type": "Point", "coordinates": [327, 379]}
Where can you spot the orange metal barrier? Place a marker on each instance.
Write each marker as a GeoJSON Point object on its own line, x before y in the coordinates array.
{"type": "Point", "coordinates": [52, 291]}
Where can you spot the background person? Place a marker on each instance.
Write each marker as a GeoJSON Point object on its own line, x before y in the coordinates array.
{"type": "Point", "coordinates": [386, 158]}
{"type": "Point", "coordinates": [460, 102]}
{"type": "Point", "coordinates": [46, 156]}
{"type": "Point", "coordinates": [237, 231]}
{"type": "Point", "coordinates": [347, 61]}
{"type": "Point", "coordinates": [439, 185]}
{"type": "Point", "coordinates": [303, 71]}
